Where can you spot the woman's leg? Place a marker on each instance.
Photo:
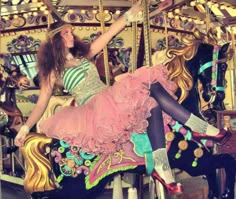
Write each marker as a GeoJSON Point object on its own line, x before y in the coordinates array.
{"type": "Point", "coordinates": [156, 134]}
{"type": "Point", "coordinates": [169, 105]}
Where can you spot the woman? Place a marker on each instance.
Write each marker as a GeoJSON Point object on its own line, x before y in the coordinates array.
{"type": "Point", "coordinates": [106, 116]}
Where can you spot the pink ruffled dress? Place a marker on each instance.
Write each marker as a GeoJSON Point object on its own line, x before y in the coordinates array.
{"type": "Point", "coordinates": [106, 116]}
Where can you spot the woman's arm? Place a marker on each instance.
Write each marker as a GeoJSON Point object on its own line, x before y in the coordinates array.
{"type": "Point", "coordinates": [114, 29]}
{"type": "Point", "coordinates": [41, 105]}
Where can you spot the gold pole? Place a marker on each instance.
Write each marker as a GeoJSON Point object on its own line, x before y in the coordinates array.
{"type": "Point", "coordinates": [146, 28]}
{"type": "Point", "coordinates": [166, 30]}
{"type": "Point", "coordinates": [134, 44]}
{"type": "Point", "coordinates": [105, 51]}
{"type": "Point", "coordinates": [208, 19]}
{"type": "Point", "coordinates": [1, 161]}
{"type": "Point", "coordinates": [234, 70]}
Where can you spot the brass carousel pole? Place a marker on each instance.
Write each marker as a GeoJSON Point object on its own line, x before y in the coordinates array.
{"type": "Point", "coordinates": [146, 28]}
{"type": "Point", "coordinates": [208, 19]}
{"type": "Point", "coordinates": [105, 51]}
{"type": "Point", "coordinates": [148, 62]}
{"type": "Point", "coordinates": [1, 162]}
{"type": "Point", "coordinates": [234, 71]}
{"type": "Point", "coordinates": [166, 30]}
{"type": "Point", "coordinates": [134, 44]}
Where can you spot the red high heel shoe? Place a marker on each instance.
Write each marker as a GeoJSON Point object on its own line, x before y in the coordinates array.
{"type": "Point", "coordinates": [172, 188]}
{"type": "Point", "coordinates": [221, 138]}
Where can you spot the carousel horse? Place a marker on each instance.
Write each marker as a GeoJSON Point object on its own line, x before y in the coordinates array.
{"type": "Point", "coordinates": [57, 170]}
{"type": "Point", "coordinates": [211, 62]}
{"type": "Point", "coordinates": [11, 116]}
{"type": "Point", "coordinates": [207, 66]}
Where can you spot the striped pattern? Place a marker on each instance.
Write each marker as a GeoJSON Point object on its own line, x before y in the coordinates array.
{"type": "Point", "coordinates": [74, 75]}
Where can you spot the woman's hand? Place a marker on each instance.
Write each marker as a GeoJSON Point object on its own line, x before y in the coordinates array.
{"type": "Point", "coordinates": [136, 8]}
{"type": "Point", "coordinates": [21, 135]}
{"type": "Point", "coordinates": [134, 13]}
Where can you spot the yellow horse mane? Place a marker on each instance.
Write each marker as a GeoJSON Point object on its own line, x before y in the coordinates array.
{"type": "Point", "coordinates": [38, 166]}
{"type": "Point", "coordinates": [175, 61]}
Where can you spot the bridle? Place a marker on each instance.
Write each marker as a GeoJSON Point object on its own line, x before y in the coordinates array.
{"type": "Point", "coordinates": [214, 73]}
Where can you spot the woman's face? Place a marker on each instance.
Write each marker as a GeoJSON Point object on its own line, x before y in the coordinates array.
{"type": "Point", "coordinates": [68, 37]}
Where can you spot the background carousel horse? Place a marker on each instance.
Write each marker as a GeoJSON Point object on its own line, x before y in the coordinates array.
{"type": "Point", "coordinates": [118, 60]}
{"type": "Point", "coordinates": [11, 79]}
{"type": "Point", "coordinates": [11, 118]}
{"type": "Point", "coordinates": [83, 174]}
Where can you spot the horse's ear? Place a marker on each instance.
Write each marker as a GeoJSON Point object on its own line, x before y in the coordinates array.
{"type": "Point", "coordinates": [224, 48]}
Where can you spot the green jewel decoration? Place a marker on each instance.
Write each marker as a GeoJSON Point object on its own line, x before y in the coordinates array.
{"type": "Point", "coordinates": [213, 75]}
{"type": "Point", "coordinates": [74, 148]}
{"type": "Point", "coordinates": [60, 178]}
{"type": "Point", "coordinates": [194, 164]}
{"type": "Point", "coordinates": [177, 155]}
{"type": "Point", "coordinates": [61, 149]}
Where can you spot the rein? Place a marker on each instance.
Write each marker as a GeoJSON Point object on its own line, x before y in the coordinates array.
{"type": "Point", "coordinates": [214, 73]}
{"type": "Point", "coordinates": [214, 65]}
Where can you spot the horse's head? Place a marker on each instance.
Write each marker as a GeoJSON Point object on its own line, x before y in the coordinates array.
{"type": "Point", "coordinates": [211, 61]}
{"type": "Point", "coordinates": [12, 77]}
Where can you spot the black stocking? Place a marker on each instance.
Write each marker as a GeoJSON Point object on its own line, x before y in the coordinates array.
{"type": "Point", "coordinates": [171, 107]}
{"type": "Point", "coordinates": [156, 132]}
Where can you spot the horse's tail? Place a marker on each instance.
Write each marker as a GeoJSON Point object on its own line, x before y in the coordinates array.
{"type": "Point", "coordinates": [38, 167]}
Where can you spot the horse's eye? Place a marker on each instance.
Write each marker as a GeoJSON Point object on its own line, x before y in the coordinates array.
{"type": "Point", "coordinates": [223, 66]}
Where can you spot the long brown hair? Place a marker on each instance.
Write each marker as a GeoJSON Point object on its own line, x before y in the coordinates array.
{"type": "Point", "coordinates": [52, 56]}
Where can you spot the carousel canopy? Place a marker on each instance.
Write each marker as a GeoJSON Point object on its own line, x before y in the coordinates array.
{"type": "Point", "coordinates": [19, 12]}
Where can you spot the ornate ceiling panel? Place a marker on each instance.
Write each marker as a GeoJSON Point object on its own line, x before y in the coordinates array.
{"type": "Point", "coordinates": [22, 13]}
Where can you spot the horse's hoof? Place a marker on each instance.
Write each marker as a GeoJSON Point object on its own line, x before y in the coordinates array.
{"type": "Point", "coordinates": [228, 194]}
{"type": "Point", "coordinates": [212, 195]}
{"type": "Point", "coordinates": [9, 150]}
{"type": "Point", "coordinates": [9, 133]}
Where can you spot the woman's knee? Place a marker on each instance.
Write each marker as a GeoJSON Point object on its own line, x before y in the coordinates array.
{"type": "Point", "coordinates": [155, 87]}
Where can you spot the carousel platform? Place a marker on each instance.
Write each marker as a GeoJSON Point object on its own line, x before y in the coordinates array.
{"type": "Point", "coordinates": [194, 188]}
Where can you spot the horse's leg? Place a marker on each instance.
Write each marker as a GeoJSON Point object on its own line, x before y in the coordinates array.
{"type": "Point", "coordinates": [207, 166]}
{"type": "Point", "coordinates": [186, 158]}
{"type": "Point", "coordinates": [227, 162]}
{"type": "Point", "coordinates": [203, 168]}
{"type": "Point", "coordinates": [213, 191]}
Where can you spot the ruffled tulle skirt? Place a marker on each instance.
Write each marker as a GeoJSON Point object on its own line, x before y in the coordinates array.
{"type": "Point", "coordinates": [107, 119]}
